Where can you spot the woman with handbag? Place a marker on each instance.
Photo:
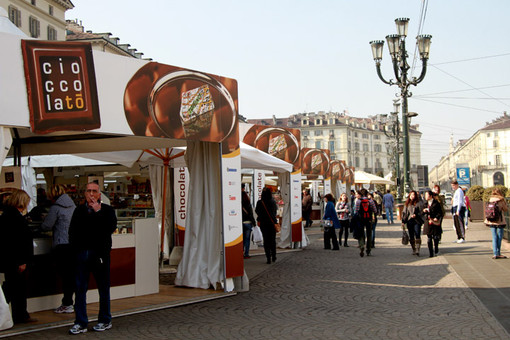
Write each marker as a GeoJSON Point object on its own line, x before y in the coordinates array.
{"type": "Point", "coordinates": [432, 227]}
{"type": "Point", "coordinates": [343, 208]}
{"type": "Point", "coordinates": [266, 216]}
{"type": "Point", "coordinates": [497, 223]}
{"type": "Point", "coordinates": [412, 218]}
{"type": "Point", "coordinates": [331, 223]}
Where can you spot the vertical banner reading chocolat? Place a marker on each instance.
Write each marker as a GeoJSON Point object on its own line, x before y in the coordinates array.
{"type": "Point", "coordinates": [259, 180]}
{"type": "Point", "coordinates": [181, 185]}
{"type": "Point", "coordinates": [62, 86]}
{"type": "Point", "coordinates": [167, 101]}
{"type": "Point", "coordinates": [337, 168]}
{"type": "Point", "coordinates": [282, 143]}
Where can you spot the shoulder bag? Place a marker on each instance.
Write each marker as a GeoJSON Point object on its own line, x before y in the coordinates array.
{"type": "Point", "coordinates": [277, 226]}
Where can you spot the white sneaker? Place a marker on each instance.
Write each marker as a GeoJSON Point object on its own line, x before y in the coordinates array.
{"type": "Point", "coordinates": [77, 329]}
{"type": "Point", "coordinates": [461, 240]}
{"type": "Point", "coordinates": [64, 309]}
{"type": "Point", "coordinates": [100, 327]}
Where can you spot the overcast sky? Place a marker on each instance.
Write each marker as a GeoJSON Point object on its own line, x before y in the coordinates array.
{"type": "Point", "coordinates": [294, 56]}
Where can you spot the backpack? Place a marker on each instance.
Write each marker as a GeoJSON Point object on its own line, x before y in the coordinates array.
{"type": "Point", "coordinates": [364, 211]}
{"type": "Point", "coordinates": [492, 212]}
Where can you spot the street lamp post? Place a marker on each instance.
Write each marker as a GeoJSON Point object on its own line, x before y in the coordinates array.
{"type": "Point", "coordinates": [398, 53]}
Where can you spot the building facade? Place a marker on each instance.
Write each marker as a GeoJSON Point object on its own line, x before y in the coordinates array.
{"type": "Point", "coordinates": [39, 19]}
{"type": "Point", "coordinates": [361, 142]}
{"type": "Point", "coordinates": [486, 153]}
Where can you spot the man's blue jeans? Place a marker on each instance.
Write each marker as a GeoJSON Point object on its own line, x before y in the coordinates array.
{"type": "Point", "coordinates": [389, 215]}
{"type": "Point", "coordinates": [90, 262]}
{"type": "Point", "coordinates": [247, 227]}
{"type": "Point", "coordinates": [497, 236]}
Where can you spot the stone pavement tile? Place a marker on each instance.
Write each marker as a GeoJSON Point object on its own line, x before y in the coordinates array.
{"type": "Point", "coordinates": [324, 294]}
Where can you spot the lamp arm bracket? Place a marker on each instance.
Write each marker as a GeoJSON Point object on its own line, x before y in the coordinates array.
{"type": "Point", "coordinates": [396, 70]}
{"type": "Point", "coordinates": [378, 68]}
{"type": "Point", "coordinates": [418, 80]}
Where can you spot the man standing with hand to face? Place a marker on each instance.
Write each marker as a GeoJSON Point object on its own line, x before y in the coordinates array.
{"type": "Point", "coordinates": [90, 236]}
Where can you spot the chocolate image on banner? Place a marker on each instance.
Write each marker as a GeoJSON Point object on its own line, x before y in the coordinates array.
{"type": "Point", "coordinates": [315, 162]}
{"type": "Point", "coordinates": [167, 101]}
{"type": "Point", "coordinates": [61, 83]}
{"type": "Point", "coordinates": [278, 142]}
{"type": "Point", "coordinates": [337, 170]}
{"type": "Point", "coordinates": [349, 175]}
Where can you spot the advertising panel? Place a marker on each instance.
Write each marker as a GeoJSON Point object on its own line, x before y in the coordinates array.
{"type": "Point", "coordinates": [315, 162]}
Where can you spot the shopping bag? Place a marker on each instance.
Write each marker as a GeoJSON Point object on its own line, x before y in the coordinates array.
{"type": "Point", "coordinates": [257, 234]}
{"type": "Point", "coordinates": [5, 313]}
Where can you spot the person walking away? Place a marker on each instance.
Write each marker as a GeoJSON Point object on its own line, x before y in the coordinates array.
{"type": "Point", "coordinates": [388, 202]}
{"type": "Point", "coordinates": [365, 209]}
{"type": "Point", "coordinates": [58, 220]}
{"type": "Point", "coordinates": [16, 252]}
{"type": "Point", "coordinates": [432, 227]}
{"type": "Point", "coordinates": [330, 215]}
{"type": "Point", "coordinates": [248, 221]}
{"type": "Point", "coordinates": [266, 215]}
{"type": "Point", "coordinates": [412, 219]}
{"type": "Point", "coordinates": [467, 213]}
{"type": "Point", "coordinates": [307, 208]}
{"type": "Point", "coordinates": [374, 221]}
{"type": "Point", "coordinates": [458, 211]}
{"type": "Point", "coordinates": [90, 236]}
{"type": "Point", "coordinates": [343, 209]}
{"type": "Point", "coordinates": [495, 219]}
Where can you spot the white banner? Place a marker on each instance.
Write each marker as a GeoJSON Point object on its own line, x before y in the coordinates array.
{"type": "Point", "coordinates": [327, 186]}
{"type": "Point", "coordinates": [259, 180]}
{"type": "Point", "coordinates": [295, 206]}
{"type": "Point", "coordinates": [231, 194]}
{"type": "Point", "coordinates": [181, 185]}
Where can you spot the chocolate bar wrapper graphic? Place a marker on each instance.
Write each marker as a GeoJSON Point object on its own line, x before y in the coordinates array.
{"type": "Point", "coordinates": [316, 163]}
{"type": "Point", "coordinates": [196, 110]}
{"type": "Point", "coordinates": [277, 146]}
{"type": "Point", "coordinates": [336, 169]}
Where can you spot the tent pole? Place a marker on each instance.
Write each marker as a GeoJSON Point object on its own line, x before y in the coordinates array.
{"type": "Point", "coordinates": [165, 175]}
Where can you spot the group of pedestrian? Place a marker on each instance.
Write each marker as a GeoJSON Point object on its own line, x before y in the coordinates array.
{"type": "Point", "coordinates": [81, 246]}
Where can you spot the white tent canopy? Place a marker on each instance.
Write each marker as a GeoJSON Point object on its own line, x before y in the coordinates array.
{"type": "Point", "coordinates": [362, 177]}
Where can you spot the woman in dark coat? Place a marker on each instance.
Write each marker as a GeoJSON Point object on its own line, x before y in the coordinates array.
{"type": "Point", "coordinates": [432, 227]}
{"type": "Point", "coordinates": [266, 215]}
{"type": "Point", "coordinates": [330, 215]}
{"type": "Point", "coordinates": [17, 251]}
{"type": "Point", "coordinates": [412, 218]}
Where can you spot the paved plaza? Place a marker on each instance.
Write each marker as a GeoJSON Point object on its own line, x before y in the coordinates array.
{"type": "Point", "coordinates": [325, 294]}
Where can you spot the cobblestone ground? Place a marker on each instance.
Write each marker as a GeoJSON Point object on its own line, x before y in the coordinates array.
{"type": "Point", "coordinates": [325, 294]}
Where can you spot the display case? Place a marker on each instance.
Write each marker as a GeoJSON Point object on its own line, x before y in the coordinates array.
{"type": "Point", "coordinates": [138, 213]}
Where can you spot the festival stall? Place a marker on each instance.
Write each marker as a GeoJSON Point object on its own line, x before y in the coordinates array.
{"type": "Point", "coordinates": [64, 98]}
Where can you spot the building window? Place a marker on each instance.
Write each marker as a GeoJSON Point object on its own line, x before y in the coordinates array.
{"type": "Point", "coordinates": [35, 27]}
{"type": "Point", "coordinates": [318, 144]}
{"type": "Point", "coordinates": [33, 2]}
{"type": "Point", "coordinates": [377, 147]}
{"type": "Point", "coordinates": [356, 146]}
{"type": "Point", "coordinates": [365, 147]}
{"type": "Point", "coordinates": [305, 122]}
{"type": "Point", "coordinates": [377, 137]}
{"type": "Point", "coordinates": [318, 122]}
{"type": "Point", "coordinates": [50, 10]}
{"type": "Point", "coordinates": [305, 133]}
{"type": "Point", "coordinates": [52, 33]}
{"type": "Point", "coordinates": [378, 164]}
{"type": "Point", "coordinates": [15, 16]}
{"type": "Point", "coordinates": [356, 162]}
{"type": "Point", "coordinates": [365, 136]}
{"type": "Point", "coordinates": [355, 134]}
{"type": "Point", "coordinates": [305, 144]}
{"type": "Point", "coordinates": [349, 145]}
{"type": "Point", "coordinates": [331, 121]}
{"type": "Point", "coordinates": [498, 160]}
{"type": "Point", "coordinates": [495, 143]}
{"type": "Point", "coordinates": [488, 134]}
{"type": "Point", "coordinates": [318, 133]}
{"type": "Point", "coordinates": [332, 145]}
{"type": "Point", "coordinates": [366, 162]}
{"type": "Point", "coordinates": [349, 133]}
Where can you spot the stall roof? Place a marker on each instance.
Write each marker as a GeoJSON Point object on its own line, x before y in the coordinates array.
{"type": "Point", "coordinates": [251, 158]}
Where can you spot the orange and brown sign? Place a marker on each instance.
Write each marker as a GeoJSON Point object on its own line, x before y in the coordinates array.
{"type": "Point", "coordinates": [282, 143]}
{"type": "Point", "coordinates": [315, 162]}
{"type": "Point", "coordinates": [167, 101]}
{"type": "Point", "coordinates": [61, 86]}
